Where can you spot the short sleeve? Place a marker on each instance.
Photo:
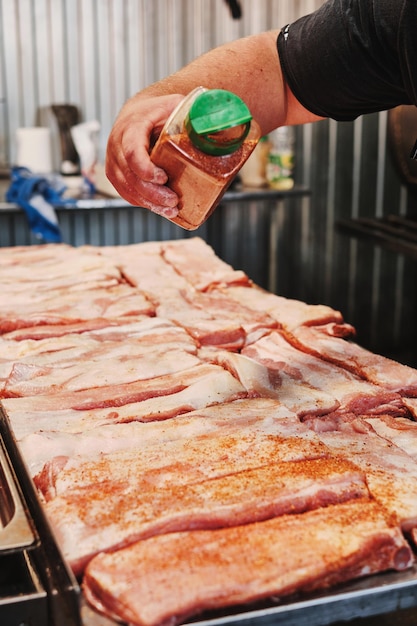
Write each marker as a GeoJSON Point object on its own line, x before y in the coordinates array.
{"type": "Point", "coordinates": [352, 57]}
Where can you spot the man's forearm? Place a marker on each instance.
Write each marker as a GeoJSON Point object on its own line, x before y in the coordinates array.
{"type": "Point", "coordinates": [260, 84]}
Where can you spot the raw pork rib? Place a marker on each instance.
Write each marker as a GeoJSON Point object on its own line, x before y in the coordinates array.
{"type": "Point", "coordinates": [165, 579]}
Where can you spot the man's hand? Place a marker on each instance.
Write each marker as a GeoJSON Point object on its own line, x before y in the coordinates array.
{"type": "Point", "coordinates": [128, 165]}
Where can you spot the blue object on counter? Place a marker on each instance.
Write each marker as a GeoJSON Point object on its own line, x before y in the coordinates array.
{"type": "Point", "coordinates": [37, 194]}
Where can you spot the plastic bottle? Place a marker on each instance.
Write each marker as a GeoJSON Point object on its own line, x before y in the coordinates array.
{"type": "Point", "coordinates": [280, 166]}
{"type": "Point", "coordinates": [202, 146]}
{"type": "Point", "coordinates": [253, 172]}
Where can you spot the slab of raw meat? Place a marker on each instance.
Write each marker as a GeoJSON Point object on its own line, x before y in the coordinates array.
{"type": "Point", "coordinates": [40, 443]}
{"type": "Point", "coordinates": [244, 438]}
{"type": "Point", "coordinates": [69, 270]}
{"type": "Point", "coordinates": [179, 264]}
{"type": "Point", "coordinates": [391, 473]}
{"type": "Point", "coordinates": [212, 320]}
{"type": "Point", "coordinates": [197, 262]}
{"type": "Point", "coordinates": [165, 579]}
{"type": "Point", "coordinates": [51, 331]}
{"type": "Point", "coordinates": [259, 380]}
{"type": "Point", "coordinates": [128, 353]}
{"type": "Point", "coordinates": [289, 313]}
{"type": "Point", "coordinates": [377, 369]}
{"type": "Point", "coordinates": [143, 266]}
{"type": "Point", "coordinates": [352, 393]}
{"type": "Point", "coordinates": [69, 348]}
{"type": "Point", "coordinates": [201, 387]}
{"type": "Point", "coordinates": [110, 514]}
{"type": "Point", "coordinates": [105, 371]}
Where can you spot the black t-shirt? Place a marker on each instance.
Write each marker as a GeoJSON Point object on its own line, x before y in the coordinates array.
{"type": "Point", "coordinates": [352, 57]}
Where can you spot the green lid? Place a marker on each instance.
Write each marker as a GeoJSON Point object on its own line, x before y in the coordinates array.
{"type": "Point", "coordinates": [218, 122]}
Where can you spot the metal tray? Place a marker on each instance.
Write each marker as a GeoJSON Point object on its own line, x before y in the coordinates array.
{"type": "Point", "coordinates": [36, 585]}
{"type": "Point", "coordinates": [15, 528]}
{"type": "Point", "coordinates": [376, 595]}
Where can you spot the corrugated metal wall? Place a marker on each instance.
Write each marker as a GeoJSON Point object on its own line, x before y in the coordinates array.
{"type": "Point", "coordinates": [96, 53]}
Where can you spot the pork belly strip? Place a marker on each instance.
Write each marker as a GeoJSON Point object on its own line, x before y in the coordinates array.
{"type": "Point", "coordinates": [287, 312]}
{"type": "Point", "coordinates": [102, 433]}
{"type": "Point", "coordinates": [105, 370]}
{"type": "Point", "coordinates": [375, 368]}
{"type": "Point", "coordinates": [187, 262]}
{"type": "Point", "coordinates": [194, 310]}
{"type": "Point", "coordinates": [92, 341]}
{"type": "Point", "coordinates": [54, 330]}
{"type": "Point", "coordinates": [197, 262]}
{"type": "Point", "coordinates": [137, 351]}
{"type": "Point", "coordinates": [247, 442]}
{"type": "Point", "coordinates": [143, 266]}
{"type": "Point", "coordinates": [165, 579]}
{"type": "Point", "coordinates": [206, 387]}
{"type": "Point", "coordinates": [63, 265]}
{"type": "Point", "coordinates": [352, 393]}
{"type": "Point", "coordinates": [159, 398]}
{"type": "Point", "coordinates": [62, 306]}
{"type": "Point", "coordinates": [26, 359]}
{"type": "Point", "coordinates": [391, 473]}
{"type": "Point", "coordinates": [261, 381]}
{"type": "Point", "coordinates": [111, 514]}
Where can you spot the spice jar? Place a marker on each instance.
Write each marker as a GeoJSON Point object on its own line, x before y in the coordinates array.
{"type": "Point", "coordinates": [202, 146]}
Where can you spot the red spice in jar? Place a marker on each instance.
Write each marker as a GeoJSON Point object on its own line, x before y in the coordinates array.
{"type": "Point", "coordinates": [199, 179]}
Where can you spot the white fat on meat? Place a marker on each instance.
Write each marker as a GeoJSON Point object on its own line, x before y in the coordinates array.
{"type": "Point", "coordinates": [144, 267]}
{"type": "Point", "coordinates": [168, 578]}
{"type": "Point", "coordinates": [352, 393]}
{"type": "Point", "coordinates": [213, 321]}
{"type": "Point", "coordinates": [124, 358]}
{"type": "Point", "coordinates": [110, 302]}
{"type": "Point", "coordinates": [61, 264]}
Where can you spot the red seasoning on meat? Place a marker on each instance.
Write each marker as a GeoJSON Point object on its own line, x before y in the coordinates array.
{"type": "Point", "coordinates": [165, 579]}
{"type": "Point", "coordinates": [114, 513]}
